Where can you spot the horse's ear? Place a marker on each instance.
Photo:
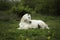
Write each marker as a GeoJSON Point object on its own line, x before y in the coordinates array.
{"type": "Point", "coordinates": [28, 14]}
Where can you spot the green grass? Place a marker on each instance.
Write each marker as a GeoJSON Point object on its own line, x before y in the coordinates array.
{"type": "Point", "coordinates": [9, 31]}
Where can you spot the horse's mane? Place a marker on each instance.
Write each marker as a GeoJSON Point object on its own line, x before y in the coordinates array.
{"type": "Point", "coordinates": [23, 13]}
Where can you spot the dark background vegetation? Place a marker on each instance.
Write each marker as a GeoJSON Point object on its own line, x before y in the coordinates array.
{"type": "Point", "coordinates": [11, 12]}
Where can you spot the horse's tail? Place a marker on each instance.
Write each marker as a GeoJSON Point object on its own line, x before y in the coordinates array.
{"type": "Point", "coordinates": [43, 25]}
{"type": "Point", "coordinates": [47, 27]}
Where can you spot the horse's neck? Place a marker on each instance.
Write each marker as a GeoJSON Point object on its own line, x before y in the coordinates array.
{"type": "Point", "coordinates": [22, 20]}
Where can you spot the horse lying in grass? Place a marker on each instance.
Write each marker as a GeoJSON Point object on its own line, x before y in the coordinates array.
{"type": "Point", "coordinates": [27, 23]}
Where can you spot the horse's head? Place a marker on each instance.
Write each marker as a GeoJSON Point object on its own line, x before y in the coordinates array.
{"type": "Point", "coordinates": [26, 17]}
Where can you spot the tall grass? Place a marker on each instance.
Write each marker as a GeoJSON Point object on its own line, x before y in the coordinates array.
{"type": "Point", "coordinates": [9, 31]}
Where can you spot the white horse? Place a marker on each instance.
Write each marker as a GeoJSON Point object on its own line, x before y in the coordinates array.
{"type": "Point", "coordinates": [27, 23]}
{"type": "Point", "coordinates": [24, 23]}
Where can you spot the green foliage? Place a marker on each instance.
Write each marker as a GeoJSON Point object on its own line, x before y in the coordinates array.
{"type": "Point", "coordinates": [48, 7]}
{"type": "Point", "coordinates": [9, 25]}
{"type": "Point", "coordinates": [43, 6]}
{"type": "Point", "coordinates": [5, 5]}
{"type": "Point", "coordinates": [9, 31]}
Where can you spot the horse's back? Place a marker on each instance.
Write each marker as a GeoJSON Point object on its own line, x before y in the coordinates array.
{"type": "Point", "coordinates": [37, 21]}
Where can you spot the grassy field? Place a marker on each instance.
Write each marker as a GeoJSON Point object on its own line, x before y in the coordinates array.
{"type": "Point", "coordinates": [9, 31]}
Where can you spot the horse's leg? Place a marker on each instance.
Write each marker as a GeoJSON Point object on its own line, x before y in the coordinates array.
{"type": "Point", "coordinates": [39, 26]}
